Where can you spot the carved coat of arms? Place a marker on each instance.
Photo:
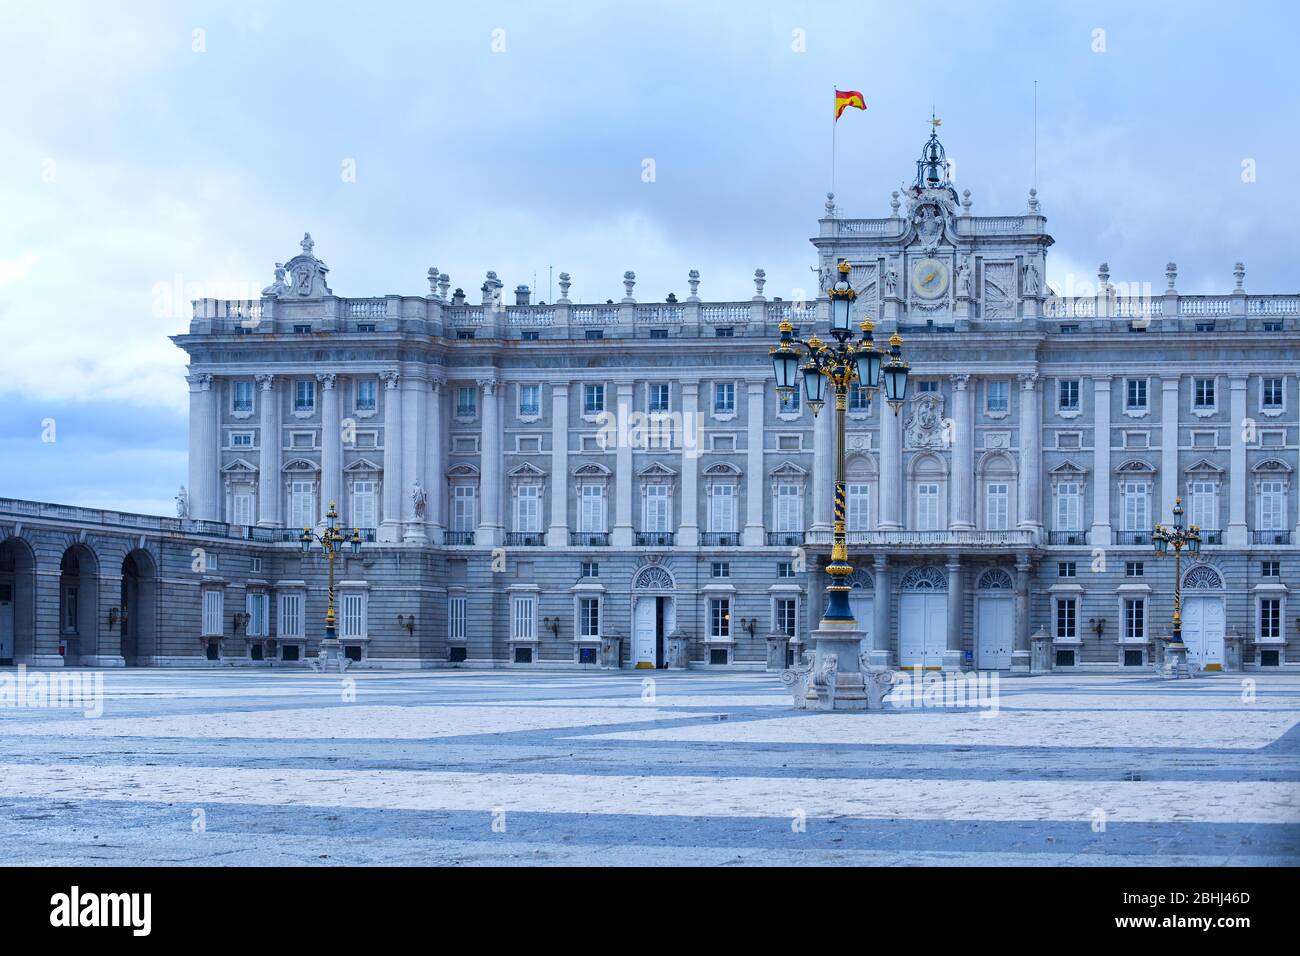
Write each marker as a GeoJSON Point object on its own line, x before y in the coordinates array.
{"type": "Point", "coordinates": [925, 426]}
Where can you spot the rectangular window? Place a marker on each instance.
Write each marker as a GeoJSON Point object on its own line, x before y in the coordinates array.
{"type": "Point", "coordinates": [1272, 506]}
{"type": "Point", "coordinates": [302, 329]}
{"type": "Point", "coordinates": [1203, 393]}
{"type": "Point", "coordinates": [241, 508]}
{"type": "Point", "coordinates": [1066, 569]}
{"type": "Point", "coordinates": [722, 508]}
{"type": "Point", "coordinates": [789, 508]}
{"type": "Point", "coordinates": [927, 507]}
{"type": "Point", "coordinates": [593, 399]}
{"type": "Point", "coordinates": [1272, 325]}
{"type": "Point", "coordinates": [302, 501]}
{"type": "Point", "coordinates": [466, 401]}
{"type": "Point", "coordinates": [1135, 394]}
{"type": "Point", "coordinates": [785, 616]}
{"type": "Point", "coordinates": [999, 496]}
{"type": "Point", "coordinates": [69, 610]}
{"type": "Point", "coordinates": [724, 332]}
{"type": "Point", "coordinates": [720, 569]}
{"type": "Point", "coordinates": [657, 397]}
{"type": "Point", "coordinates": [464, 508]}
{"type": "Point", "coordinates": [213, 613]}
{"type": "Point", "coordinates": [590, 569]}
{"type": "Point", "coordinates": [464, 334]}
{"type": "Point", "coordinates": [1066, 618]}
{"type": "Point", "coordinates": [658, 333]}
{"type": "Point", "coordinates": [656, 508]}
{"type": "Point", "coordinates": [1134, 569]}
{"type": "Point", "coordinates": [785, 569]}
{"type": "Point", "coordinates": [241, 439]}
{"type": "Point", "coordinates": [719, 618]}
{"type": "Point", "coordinates": [1272, 393]}
{"type": "Point", "coordinates": [1270, 619]}
{"type": "Point", "coordinates": [857, 502]}
{"type": "Point", "coordinates": [243, 397]}
{"type": "Point", "coordinates": [521, 626]}
{"type": "Point", "coordinates": [258, 606]}
{"type": "Point", "coordinates": [594, 334]}
{"type": "Point", "coordinates": [1068, 395]}
{"type": "Point", "coordinates": [291, 619]}
{"type": "Point", "coordinates": [367, 395]}
{"type": "Point", "coordinates": [363, 504]}
{"type": "Point", "coordinates": [530, 401]}
{"type": "Point", "coordinates": [724, 398]}
{"type": "Point", "coordinates": [930, 386]}
{"type": "Point", "coordinates": [1067, 506]}
{"type": "Point", "coordinates": [304, 395]}
{"type": "Point", "coordinates": [456, 618]}
{"type": "Point", "coordinates": [352, 616]}
{"type": "Point", "coordinates": [1205, 505]}
{"type": "Point", "coordinates": [789, 402]}
{"type": "Point", "coordinates": [859, 400]}
{"type": "Point", "coordinates": [591, 518]}
{"type": "Point", "coordinates": [1137, 516]}
{"type": "Point", "coordinates": [998, 396]}
{"type": "Point", "coordinates": [528, 510]}
{"type": "Point", "coordinates": [588, 618]}
{"type": "Point", "coordinates": [1135, 619]}
{"type": "Point", "coordinates": [533, 335]}
{"type": "Point", "coordinates": [1270, 569]}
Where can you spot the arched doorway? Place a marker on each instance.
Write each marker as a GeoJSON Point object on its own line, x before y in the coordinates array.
{"type": "Point", "coordinates": [995, 619]}
{"type": "Point", "coordinates": [17, 601]}
{"type": "Point", "coordinates": [138, 608]}
{"type": "Point", "coordinates": [862, 599]}
{"type": "Point", "coordinates": [654, 616]}
{"type": "Point", "coordinates": [923, 618]}
{"type": "Point", "coordinates": [79, 603]}
{"type": "Point", "coordinates": [1203, 617]}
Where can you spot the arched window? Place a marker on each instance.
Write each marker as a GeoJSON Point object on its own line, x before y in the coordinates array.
{"type": "Point", "coordinates": [995, 579]}
{"type": "Point", "coordinates": [1202, 578]}
{"type": "Point", "coordinates": [924, 579]}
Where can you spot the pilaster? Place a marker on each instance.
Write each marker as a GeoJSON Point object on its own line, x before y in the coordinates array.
{"type": "Point", "coordinates": [756, 392]}
{"type": "Point", "coordinates": [390, 525]}
{"type": "Point", "coordinates": [1101, 400]}
{"type": "Point", "coordinates": [557, 534]}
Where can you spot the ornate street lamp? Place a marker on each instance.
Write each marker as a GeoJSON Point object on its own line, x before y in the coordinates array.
{"type": "Point", "coordinates": [1178, 537]}
{"type": "Point", "coordinates": [331, 539]}
{"type": "Point", "coordinates": [836, 367]}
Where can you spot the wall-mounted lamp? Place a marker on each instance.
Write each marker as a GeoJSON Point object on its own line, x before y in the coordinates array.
{"type": "Point", "coordinates": [407, 621]}
{"type": "Point", "coordinates": [750, 624]}
{"type": "Point", "coordinates": [1098, 624]}
{"type": "Point", "coordinates": [114, 615]}
{"type": "Point", "coordinates": [552, 624]}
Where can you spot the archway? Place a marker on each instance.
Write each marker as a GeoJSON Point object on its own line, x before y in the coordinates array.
{"type": "Point", "coordinates": [654, 616]}
{"type": "Point", "coordinates": [17, 601]}
{"type": "Point", "coordinates": [79, 603]}
{"type": "Point", "coordinates": [138, 608]}
{"type": "Point", "coordinates": [1203, 617]}
{"type": "Point", "coordinates": [923, 618]}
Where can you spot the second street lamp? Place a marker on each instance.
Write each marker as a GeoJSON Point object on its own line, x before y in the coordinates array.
{"type": "Point", "coordinates": [331, 538]}
{"type": "Point", "coordinates": [1178, 537]}
{"type": "Point", "coordinates": [835, 368]}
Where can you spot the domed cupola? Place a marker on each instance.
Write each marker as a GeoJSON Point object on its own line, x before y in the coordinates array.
{"type": "Point", "coordinates": [933, 170]}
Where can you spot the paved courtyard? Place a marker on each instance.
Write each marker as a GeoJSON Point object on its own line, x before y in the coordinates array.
{"type": "Point", "coordinates": [458, 767]}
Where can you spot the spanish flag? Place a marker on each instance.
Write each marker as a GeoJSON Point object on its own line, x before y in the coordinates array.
{"type": "Point", "coordinates": [845, 98]}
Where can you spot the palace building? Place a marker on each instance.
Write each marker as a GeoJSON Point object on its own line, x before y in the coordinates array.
{"type": "Point", "coordinates": [533, 479]}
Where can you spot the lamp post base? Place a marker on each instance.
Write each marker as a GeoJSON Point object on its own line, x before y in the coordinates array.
{"type": "Point", "coordinates": [844, 641]}
{"type": "Point", "coordinates": [330, 656]}
{"type": "Point", "coordinates": [1175, 662]}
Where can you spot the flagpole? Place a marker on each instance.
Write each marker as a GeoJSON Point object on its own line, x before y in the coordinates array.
{"type": "Point", "coordinates": [834, 124]}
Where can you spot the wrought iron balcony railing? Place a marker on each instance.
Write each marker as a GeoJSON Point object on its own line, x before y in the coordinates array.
{"type": "Point", "coordinates": [589, 539]}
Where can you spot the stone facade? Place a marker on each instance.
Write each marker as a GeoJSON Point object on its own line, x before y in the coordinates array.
{"type": "Point", "coordinates": [533, 478]}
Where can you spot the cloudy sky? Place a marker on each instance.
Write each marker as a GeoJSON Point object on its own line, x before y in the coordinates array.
{"type": "Point", "coordinates": [148, 149]}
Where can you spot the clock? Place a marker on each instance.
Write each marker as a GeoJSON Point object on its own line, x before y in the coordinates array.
{"type": "Point", "coordinates": [929, 278]}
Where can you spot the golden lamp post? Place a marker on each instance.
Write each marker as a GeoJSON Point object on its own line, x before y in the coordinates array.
{"type": "Point", "coordinates": [1178, 537]}
{"type": "Point", "coordinates": [838, 366]}
{"type": "Point", "coordinates": [331, 538]}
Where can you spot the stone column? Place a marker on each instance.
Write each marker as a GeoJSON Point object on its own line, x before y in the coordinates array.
{"type": "Point", "coordinates": [688, 535]}
{"type": "Point", "coordinates": [754, 530]}
{"type": "Point", "coordinates": [952, 655]}
{"type": "Point", "coordinates": [622, 534]}
{"type": "Point", "coordinates": [205, 443]}
{"type": "Point", "coordinates": [490, 528]}
{"type": "Point", "coordinates": [435, 473]}
{"type": "Point", "coordinates": [1168, 447]}
{"type": "Point", "coordinates": [1101, 477]}
{"type": "Point", "coordinates": [557, 534]}
{"type": "Point", "coordinates": [1020, 652]}
{"type": "Point", "coordinates": [879, 654]}
{"type": "Point", "coordinates": [963, 454]}
{"type": "Point", "coordinates": [891, 467]}
{"type": "Point", "coordinates": [1031, 456]}
{"type": "Point", "coordinates": [268, 475]}
{"type": "Point", "coordinates": [1236, 535]}
{"type": "Point", "coordinates": [823, 476]}
{"type": "Point", "coordinates": [390, 525]}
{"type": "Point", "coordinates": [414, 389]}
{"type": "Point", "coordinates": [331, 447]}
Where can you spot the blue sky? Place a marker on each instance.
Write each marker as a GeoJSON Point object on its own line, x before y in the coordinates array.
{"type": "Point", "coordinates": [130, 163]}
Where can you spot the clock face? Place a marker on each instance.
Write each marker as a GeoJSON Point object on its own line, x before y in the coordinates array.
{"type": "Point", "coordinates": [929, 278]}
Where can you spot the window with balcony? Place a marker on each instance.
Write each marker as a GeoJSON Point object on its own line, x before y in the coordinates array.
{"type": "Point", "coordinates": [466, 401]}
{"type": "Point", "coordinates": [857, 502]}
{"type": "Point", "coordinates": [528, 509]}
{"type": "Point", "coordinates": [788, 508]}
{"type": "Point", "coordinates": [722, 508]}
{"type": "Point", "coordinates": [302, 503]}
{"type": "Point", "coordinates": [464, 509]}
{"type": "Point", "coordinates": [997, 396]}
{"type": "Point", "coordinates": [591, 513]}
{"type": "Point", "coordinates": [997, 505]}
{"type": "Point", "coordinates": [655, 515]}
{"type": "Point", "coordinates": [927, 506]}
{"type": "Point", "coordinates": [241, 508]}
{"type": "Point", "coordinates": [242, 397]}
{"type": "Point", "coordinates": [364, 497]}
{"type": "Point", "coordinates": [530, 401]}
{"type": "Point", "coordinates": [1068, 510]}
{"type": "Point", "coordinates": [1272, 505]}
{"type": "Point", "coordinates": [367, 395]}
{"type": "Point", "coordinates": [1137, 505]}
{"type": "Point", "coordinates": [304, 395]}
{"type": "Point", "coordinates": [1204, 511]}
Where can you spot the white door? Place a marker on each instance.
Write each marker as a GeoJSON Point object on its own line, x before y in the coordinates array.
{"type": "Point", "coordinates": [923, 630]}
{"type": "Point", "coordinates": [996, 621]}
{"type": "Point", "coordinates": [6, 622]}
{"type": "Point", "coordinates": [1203, 632]}
{"type": "Point", "coordinates": [864, 609]}
{"type": "Point", "coordinates": [670, 624]}
{"type": "Point", "coordinates": [643, 632]}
